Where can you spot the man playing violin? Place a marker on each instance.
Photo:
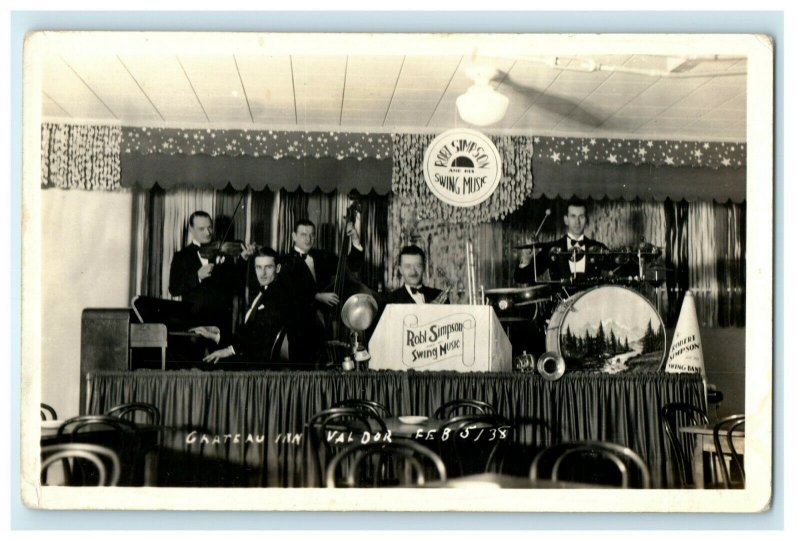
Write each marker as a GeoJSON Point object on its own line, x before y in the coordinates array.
{"type": "Point", "coordinates": [411, 263]}
{"type": "Point", "coordinates": [309, 272]}
{"type": "Point", "coordinates": [570, 255]}
{"type": "Point", "coordinates": [207, 281]}
{"type": "Point", "coordinates": [255, 340]}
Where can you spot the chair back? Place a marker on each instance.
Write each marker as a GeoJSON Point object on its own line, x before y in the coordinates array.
{"type": "Point", "coordinates": [129, 411]}
{"type": "Point", "coordinates": [464, 406]}
{"type": "Point", "coordinates": [47, 411]}
{"type": "Point", "coordinates": [381, 464]}
{"type": "Point", "coordinates": [120, 435]}
{"type": "Point", "coordinates": [329, 431]}
{"type": "Point", "coordinates": [375, 407]}
{"type": "Point", "coordinates": [729, 425]}
{"type": "Point", "coordinates": [529, 435]}
{"type": "Point", "coordinates": [673, 417]}
{"type": "Point", "coordinates": [592, 462]}
{"type": "Point", "coordinates": [475, 443]}
{"type": "Point", "coordinates": [77, 458]}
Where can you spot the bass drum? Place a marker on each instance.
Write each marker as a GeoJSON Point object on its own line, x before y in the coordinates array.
{"type": "Point", "coordinates": [609, 329]}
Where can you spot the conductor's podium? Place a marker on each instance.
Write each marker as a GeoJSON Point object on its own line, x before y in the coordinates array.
{"type": "Point", "coordinates": [464, 338]}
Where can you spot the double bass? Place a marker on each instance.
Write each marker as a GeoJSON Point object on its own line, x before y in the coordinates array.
{"type": "Point", "coordinates": [346, 285]}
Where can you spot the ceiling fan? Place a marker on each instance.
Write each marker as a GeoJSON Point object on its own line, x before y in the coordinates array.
{"type": "Point", "coordinates": [483, 105]}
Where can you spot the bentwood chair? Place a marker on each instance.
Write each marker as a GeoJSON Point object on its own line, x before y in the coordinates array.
{"type": "Point", "coordinates": [130, 410]}
{"type": "Point", "coordinates": [375, 407]}
{"type": "Point", "coordinates": [673, 417]}
{"type": "Point", "coordinates": [330, 431]}
{"type": "Point", "coordinates": [729, 425]}
{"type": "Point", "coordinates": [464, 406]}
{"type": "Point", "coordinates": [592, 462]}
{"type": "Point", "coordinates": [400, 463]}
{"type": "Point", "coordinates": [149, 415]}
{"type": "Point", "coordinates": [83, 464]}
{"type": "Point", "coordinates": [47, 411]}
{"type": "Point", "coordinates": [118, 434]}
{"type": "Point", "coordinates": [529, 435]}
{"type": "Point", "coordinates": [475, 443]}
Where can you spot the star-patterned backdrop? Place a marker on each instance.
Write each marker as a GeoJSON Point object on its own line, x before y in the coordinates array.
{"type": "Point", "coordinates": [87, 156]}
{"type": "Point", "coordinates": [588, 151]}
{"type": "Point", "coordinates": [257, 143]}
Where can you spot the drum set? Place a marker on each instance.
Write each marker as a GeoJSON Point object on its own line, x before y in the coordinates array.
{"type": "Point", "coordinates": [606, 323]}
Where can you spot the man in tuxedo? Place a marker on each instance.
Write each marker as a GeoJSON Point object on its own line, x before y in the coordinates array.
{"type": "Point", "coordinates": [310, 273]}
{"type": "Point", "coordinates": [207, 286]}
{"type": "Point", "coordinates": [579, 262]}
{"type": "Point", "coordinates": [254, 341]}
{"type": "Point", "coordinates": [412, 267]}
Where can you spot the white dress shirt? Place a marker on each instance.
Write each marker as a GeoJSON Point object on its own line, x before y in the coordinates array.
{"type": "Point", "coordinates": [580, 265]}
{"type": "Point", "coordinates": [418, 297]}
{"type": "Point", "coordinates": [309, 262]}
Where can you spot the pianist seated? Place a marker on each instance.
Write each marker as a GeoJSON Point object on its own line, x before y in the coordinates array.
{"type": "Point", "coordinates": [267, 314]}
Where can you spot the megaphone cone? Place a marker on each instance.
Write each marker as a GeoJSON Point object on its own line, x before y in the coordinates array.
{"type": "Point", "coordinates": [686, 352]}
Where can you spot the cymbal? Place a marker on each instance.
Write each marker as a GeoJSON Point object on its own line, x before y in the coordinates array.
{"type": "Point", "coordinates": [512, 290]}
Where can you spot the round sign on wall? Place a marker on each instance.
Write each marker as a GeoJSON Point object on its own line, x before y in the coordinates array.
{"type": "Point", "coordinates": [462, 167]}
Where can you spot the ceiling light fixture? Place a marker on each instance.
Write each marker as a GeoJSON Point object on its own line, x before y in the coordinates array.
{"type": "Point", "coordinates": [481, 104]}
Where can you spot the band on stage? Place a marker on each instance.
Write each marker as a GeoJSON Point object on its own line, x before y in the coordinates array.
{"type": "Point", "coordinates": [292, 314]}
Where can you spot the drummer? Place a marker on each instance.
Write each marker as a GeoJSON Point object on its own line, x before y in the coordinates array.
{"type": "Point", "coordinates": [575, 243]}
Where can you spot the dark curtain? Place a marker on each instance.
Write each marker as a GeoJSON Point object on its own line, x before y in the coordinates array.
{"type": "Point", "coordinates": [266, 221]}
{"type": "Point", "coordinates": [374, 220]}
{"type": "Point", "coordinates": [153, 252]}
{"type": "Point", "coordinates": [272, 407]}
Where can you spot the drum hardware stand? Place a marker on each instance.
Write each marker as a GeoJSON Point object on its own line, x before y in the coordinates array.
{"type": "Point", "coordinates": [641, 263]}
{"type": "Point", "coordinates": [536, 236]}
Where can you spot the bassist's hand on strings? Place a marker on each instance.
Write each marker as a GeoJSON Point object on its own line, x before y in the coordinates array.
{"type": "Point", "coordinates": [248, 250]}
{"type": "Point", "coordinates": [328, 299]}
{"type": "Point", "coordinates": [353, 234]}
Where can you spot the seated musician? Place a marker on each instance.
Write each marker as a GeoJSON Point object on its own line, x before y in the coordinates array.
{"type": "Point", "coordinates": [412, 267]}
{"type": "Point", "coordinates": [562, 267]}
{"type": "Point", "coordinates": [310, 273]}
{"type": "Point", "coordinates": [207, 286]}
{"type": "Point", "coordinates": [254, 341]}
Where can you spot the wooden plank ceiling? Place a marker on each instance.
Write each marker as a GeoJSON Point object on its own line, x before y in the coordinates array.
{"type": "Point", "coordinates": [665, 96]}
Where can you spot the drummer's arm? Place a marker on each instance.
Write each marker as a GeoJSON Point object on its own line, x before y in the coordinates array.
{"type": "Point", "coordinates": [524, 273]}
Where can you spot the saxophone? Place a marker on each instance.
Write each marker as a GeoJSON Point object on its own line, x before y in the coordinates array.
{"type": "Point", "coordinates": [441, 297]}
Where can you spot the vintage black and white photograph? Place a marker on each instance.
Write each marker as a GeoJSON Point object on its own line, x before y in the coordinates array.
{"type": "Point", "coordinates": [400, 263]}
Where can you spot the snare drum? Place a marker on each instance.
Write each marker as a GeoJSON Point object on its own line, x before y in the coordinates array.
{"type": "Point", "coordinates": [609, 329]}
{"type": "Point", "coordinates": [505, 300]}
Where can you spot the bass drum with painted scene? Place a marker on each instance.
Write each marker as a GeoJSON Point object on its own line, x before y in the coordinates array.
{"type": "Point", "coordinates": [609, 329]}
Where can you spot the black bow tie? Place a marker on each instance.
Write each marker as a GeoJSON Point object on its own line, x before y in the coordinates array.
{"type": "Point", "coordinates": [573, 243]}
{"type": "Point", "coordinates": [415, 290]}
{"type": "Point", "coordinates": [302, 255]}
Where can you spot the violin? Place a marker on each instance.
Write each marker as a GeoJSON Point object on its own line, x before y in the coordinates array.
{"type": "Point", "coordinates": [216, 248]}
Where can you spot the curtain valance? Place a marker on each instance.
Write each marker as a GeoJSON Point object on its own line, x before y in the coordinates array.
{"type": "Point", "coordinates": [308, 174]}
{"type": "Point", "coordinates": [98, 157]}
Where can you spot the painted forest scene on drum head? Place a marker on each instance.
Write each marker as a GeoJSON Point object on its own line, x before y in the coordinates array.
{"type": "Point", "coordinates": [612, 330]}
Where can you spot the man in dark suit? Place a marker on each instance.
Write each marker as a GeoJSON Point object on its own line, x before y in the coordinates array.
{"type": "Point", "coordinates": [207, 286]}
{"type": "Point", "coordinates": [309, 273]}
{"type": "Point", "coordinates": [254, 341]}
{"type": "Point", "coordinates": [568, 256]}
{"type": "Point", "coordinates": [411, 263]}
